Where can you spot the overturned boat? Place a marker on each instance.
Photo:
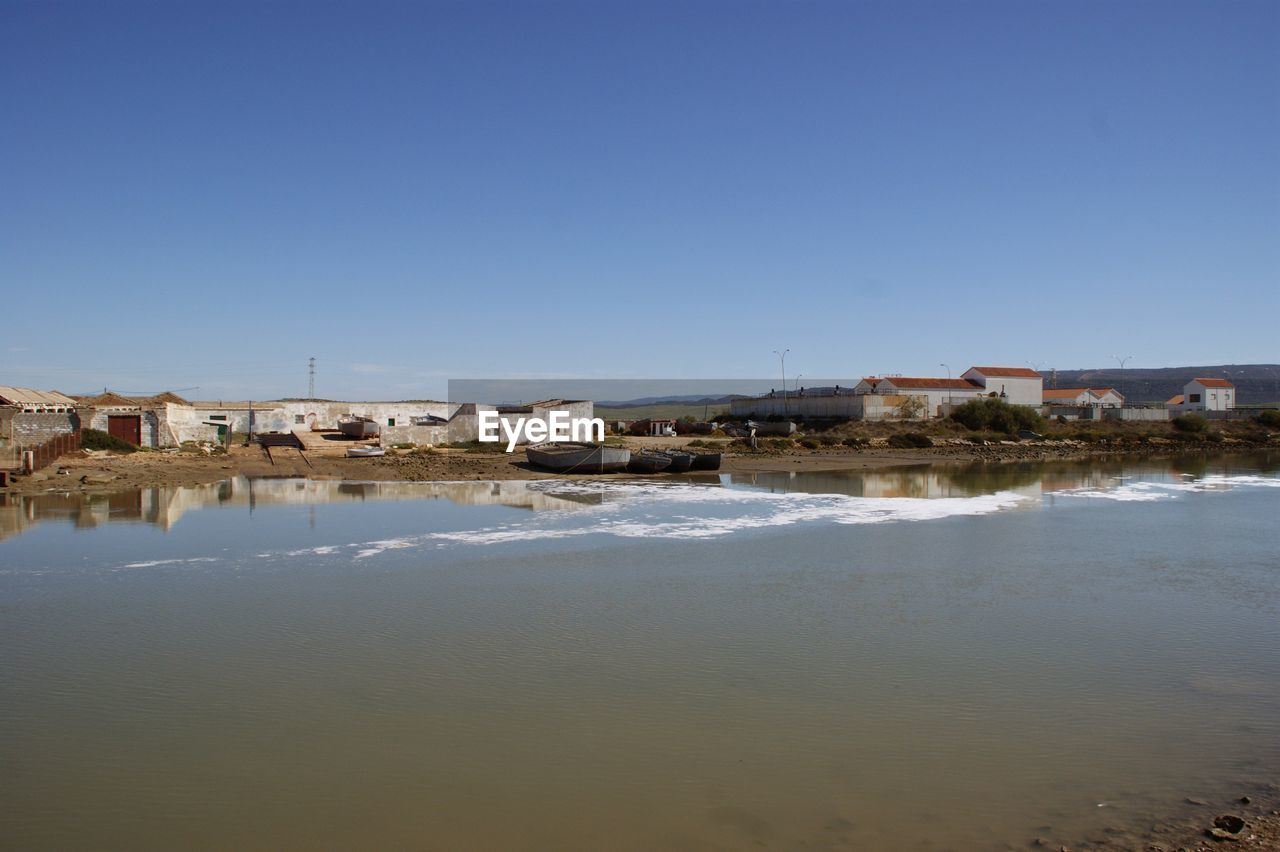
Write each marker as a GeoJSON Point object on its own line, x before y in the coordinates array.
{"type": "Point", "coordinates": [365, 452]}
{"type": "Point", "coordinates": [576, 457]}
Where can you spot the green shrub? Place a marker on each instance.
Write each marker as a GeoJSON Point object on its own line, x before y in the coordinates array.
{"type": "Point", "coordinates": [1190, 424]}
{"type": "Point", "coordinates": [1269, 418]}
{"type": "Point", "coordinates": [94, 439]}
{"type": "Point", "coordinates": [857, 441]}
{"type": "Point", "coordinates": [810, 443]}
{"type": "Point", "coordinates": [910, 441]}
{"type": "Point", "coordinates": [829, 440]}
{"type": "Point", "coordinates": [997, 415]}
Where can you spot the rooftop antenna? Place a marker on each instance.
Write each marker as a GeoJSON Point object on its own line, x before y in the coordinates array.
{"type": "Point", "coordinates": [311, 377]}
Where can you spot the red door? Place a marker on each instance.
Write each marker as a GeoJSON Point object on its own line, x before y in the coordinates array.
{"type": "Point", "coordinates": [126, 427]}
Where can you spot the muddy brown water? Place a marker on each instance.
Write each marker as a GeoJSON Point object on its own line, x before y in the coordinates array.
{"type": "Point", "coordinates": [922, 658]}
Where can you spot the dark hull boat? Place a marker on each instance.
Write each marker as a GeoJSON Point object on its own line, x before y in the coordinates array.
{"type": "Point", "coordinates": [705, 461]}
{"type": "Point", "coordinates": [573, 457]}
{"type": "Point", "coordinates": [648, 461]}
{"type": "Point", "coordinates": [680, 460]}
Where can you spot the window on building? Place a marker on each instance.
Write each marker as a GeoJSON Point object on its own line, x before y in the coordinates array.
{"type": "Point", "coordinates": [217, 417]}
{"type": "Point", "coordinates": [298, 418]}
{"type": "Point", "coordinates": [391, 421]}
{"type": "Point", "coordinates": [1195, 397]}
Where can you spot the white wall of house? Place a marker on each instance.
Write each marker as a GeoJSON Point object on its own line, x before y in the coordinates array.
{"type": "Point", "coordinates": [1016, 390]}
{"type": "Point", "coordinates": [1198, 397]}
{"type": "Point", "coordinates": [1109, 398]}
{"type": "Point", "coordinates": [935, 398]}
{"type": "Point", "coordinates": [1082, 396]}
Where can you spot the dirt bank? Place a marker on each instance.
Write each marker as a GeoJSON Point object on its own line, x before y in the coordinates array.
{"type": "Point", "coordinates": [101, 471]}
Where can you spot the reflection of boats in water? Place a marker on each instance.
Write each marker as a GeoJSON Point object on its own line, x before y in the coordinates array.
{"type": "Point", "coordinates": [575, 457]}
{"type": "Point", "coordinates": [358, 427]}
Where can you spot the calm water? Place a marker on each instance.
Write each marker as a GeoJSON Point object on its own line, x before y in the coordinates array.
{"type": "Point", "coordinates": [922, 658]}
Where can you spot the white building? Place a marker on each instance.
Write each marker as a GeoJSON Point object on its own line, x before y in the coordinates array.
{"type": "Point", "coordinates": [1204, 394]}
{"type": "Point", "coordinates": [936, 392]}
{"type": "Point", "coordinates": [1014, 385]}
{"type": "Point", "coordinates": [1095, 397]}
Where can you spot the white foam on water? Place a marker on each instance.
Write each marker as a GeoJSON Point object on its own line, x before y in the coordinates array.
{"type": "Point", "coordinates": [1148, 491]}
{"type": "Point", "coordinates": [154, 562]}
{"type": "Point", "coordinates": [702, 512]}
{"type": "Point", "coordinates": [680, 519]}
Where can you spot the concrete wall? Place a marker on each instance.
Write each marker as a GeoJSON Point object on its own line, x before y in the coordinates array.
{"type": "Point", "coordinates": [937, 401]}
{"type": "Point", "coordinates": [1134, 413]}
{"type": "Point", "coordinates": [875, 406]}
{"type": "Point", "coordinates": [154, 433]}
{"type": "Point", "coordinates": [23, 429]}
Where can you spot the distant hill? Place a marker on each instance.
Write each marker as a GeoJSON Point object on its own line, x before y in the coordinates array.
{"type": "Point", "coordinates": [1255, 383]}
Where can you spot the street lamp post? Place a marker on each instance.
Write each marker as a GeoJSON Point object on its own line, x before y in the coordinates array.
{"type": "Point", "coordinates": [782, 359]}
{"type": "Point", "coordinates": [1121, 361]}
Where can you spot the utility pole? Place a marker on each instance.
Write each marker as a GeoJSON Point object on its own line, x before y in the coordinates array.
{"type": "Point", "coordinates": [948, 370]}
{"type": "Point", "coordinates": [311, 378]}
{"type": "Point", "coordinates": [782, 358]}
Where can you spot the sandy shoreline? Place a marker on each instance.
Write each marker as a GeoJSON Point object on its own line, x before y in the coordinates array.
{"type": "Point", "coordinates": [106, 471]}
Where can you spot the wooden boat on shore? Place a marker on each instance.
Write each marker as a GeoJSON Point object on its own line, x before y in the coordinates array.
{"type": "Point", "coordinates": [358, 428]}
{"type": "Point", "coordinates": [705, 461]}
{"type": "Point", "coordinates": [680, 460]}
{"type": "Point", "coordinates": [576, 457]}
{"type": "Point", "coordinates": [648, 461]}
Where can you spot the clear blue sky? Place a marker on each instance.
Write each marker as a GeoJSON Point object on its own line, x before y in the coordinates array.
{"type": "Point", "coordinates": [205, 194]}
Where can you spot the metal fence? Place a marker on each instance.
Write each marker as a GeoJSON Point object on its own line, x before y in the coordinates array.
{"type": "Point", "coordinates": [39, 456]}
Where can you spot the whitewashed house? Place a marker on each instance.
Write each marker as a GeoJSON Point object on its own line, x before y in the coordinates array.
{"type": "Point", "coordinates": [1108, 398]}
{"type": "Point", "coordinates": [1014, 385]}
{"type": "Point", "coordinates": [1204, 394]}
{"type": "Point", "coordinates": [937, 393]}
{"type": "Point", "coordinates": [1080, 397]}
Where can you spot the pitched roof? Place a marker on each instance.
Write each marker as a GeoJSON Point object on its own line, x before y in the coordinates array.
{"type": "Point", "coordinates": [1214, 383]}
{"type": "Point", "coordinates": [1174, 400]}
{"type": "Point", "coordinates": [1010, 372]}
{"type": "Point", "coordinates": [109, 399]}
{"type": "Point", "coordinates": [1105, 391]}
{"type": "Point", "coordinates": [946, 384]}
{"type": "Point", "coordinates": [166, 396]}
{"type": "Point", "coordinates": [1065, 393]}
{"type": "Point", "coordinates": [30, 398]}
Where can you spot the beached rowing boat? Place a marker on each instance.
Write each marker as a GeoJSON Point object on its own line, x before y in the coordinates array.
{"type": "Point", "coordinates": [575, 457]}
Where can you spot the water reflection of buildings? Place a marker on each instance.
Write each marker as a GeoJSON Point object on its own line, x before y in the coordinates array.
{"type": "Point", "coordinates": [165, 506]}
{"type": "Point", "coordinates": [918, 481]}
{"type": "Point", "coordinates": [1030, 479]}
